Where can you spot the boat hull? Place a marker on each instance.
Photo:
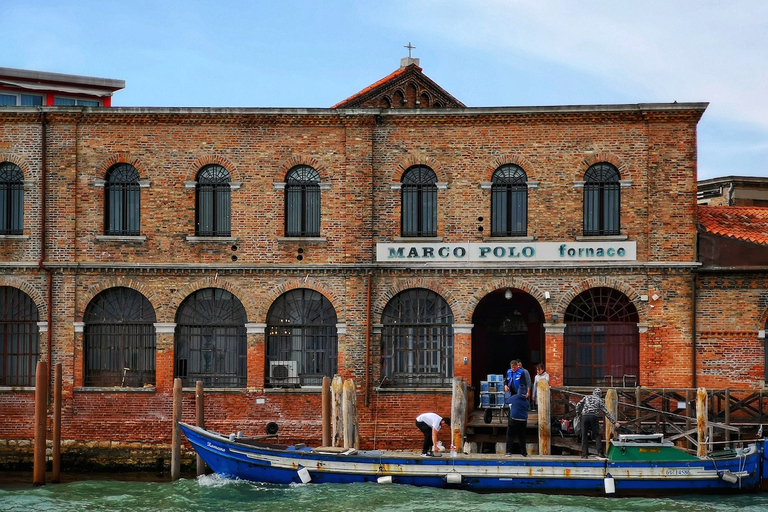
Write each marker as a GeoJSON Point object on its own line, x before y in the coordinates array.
{"type": "Point", "coordinates": [478, 472]}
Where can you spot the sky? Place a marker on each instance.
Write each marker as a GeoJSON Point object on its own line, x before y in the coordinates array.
{"type": "Point", "coordinates": [290, 53]}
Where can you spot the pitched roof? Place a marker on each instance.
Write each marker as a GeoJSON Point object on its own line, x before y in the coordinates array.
{"type": "Point", "coordinates": [745, 223]}
{"type": "Point", "coordinates": [403, 88]}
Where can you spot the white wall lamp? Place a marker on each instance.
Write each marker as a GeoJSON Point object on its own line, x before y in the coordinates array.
{"type": "Point", "coordinates": [546, 296]}
{"type": "Point", "coordinates": [508, 294]}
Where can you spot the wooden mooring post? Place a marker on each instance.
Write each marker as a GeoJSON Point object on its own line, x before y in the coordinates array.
{"type": "Point", "coordinates": [56, 452]}
{"type": "Point", "coordinates": [200, 420]}
{"type": "Point", "coordinates": [344, 428]}
{"type": "Point", "coordinates": [326, 411]}
{"type": "Point", "coordinates": [727, 416]}
{"type": "Point", "coordinates": [337, 417]}
{"type": "Point", "coordinates": [545, 422]}
{"type": "Point", "coordinates": [701, 421]}
{"type": "Point", "coordinates": [41, 419]}
{"type": "Point", "coordinates": [349, 408]}
{"type": "Point", "coordinates": [458, 413]}
{"type": "Point", "coordinates": [612, 404]}
{"type": "Point", "coordinates": [176, 434]}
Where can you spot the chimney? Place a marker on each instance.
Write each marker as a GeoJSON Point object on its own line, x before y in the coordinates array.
{"type": "Point", "coordinates": [407, 61]}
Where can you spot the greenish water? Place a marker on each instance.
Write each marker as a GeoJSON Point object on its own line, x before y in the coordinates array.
{"type": "Point", "coordinates": [105, 493]}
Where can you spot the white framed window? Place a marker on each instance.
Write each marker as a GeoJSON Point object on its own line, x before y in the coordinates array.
{"type": "Point", "coordinates": [72, 102]}
{"type": "Point", "coordinates": [9, 99]}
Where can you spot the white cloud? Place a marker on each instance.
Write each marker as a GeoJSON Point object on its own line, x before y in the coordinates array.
{"type": "Point", "coordinates": [674, 51]}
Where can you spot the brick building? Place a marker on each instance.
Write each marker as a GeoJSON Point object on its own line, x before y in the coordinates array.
{"type": "Point", "coordinates": [399, 238]}
{"type": "Point", "coordinates": [733, 191]}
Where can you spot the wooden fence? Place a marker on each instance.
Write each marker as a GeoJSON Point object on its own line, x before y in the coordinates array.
{"type": "Point", "coordinates": [732, 415]}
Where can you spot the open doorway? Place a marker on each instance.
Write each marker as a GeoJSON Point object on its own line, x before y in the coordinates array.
{"type": "Point", "coordinates": [508, 323]}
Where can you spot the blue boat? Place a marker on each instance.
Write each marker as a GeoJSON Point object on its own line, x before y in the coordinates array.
{"type": "Point", "coordinates": [635, 465]}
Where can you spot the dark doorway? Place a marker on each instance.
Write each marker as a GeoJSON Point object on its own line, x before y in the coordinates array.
{"type": "Point", "coordinates": [508, 323]}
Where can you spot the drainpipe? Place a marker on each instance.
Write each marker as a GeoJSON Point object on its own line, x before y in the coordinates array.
{"type": "Point", "coordinates": [693, 333]}
{"type": "Point", "coordinates": [44, 234]}
{"type": "Point", "coordinates": [367, 340]}
{"type": "Point", "coordinates": [376, 122]}
{"type": "Point", "coordinates": [693, 320]}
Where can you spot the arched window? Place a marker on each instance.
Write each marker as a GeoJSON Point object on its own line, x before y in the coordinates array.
{"type": "Point", "coordinates": [119, 339]}
{"type": "Point", "coordinates": [122, 201]}
{"type": "Point", "coordinates": [213, 202]}
{"type": "Point", "coordinates": [19, 338]}
{"type": "Point", "coordinates": [419, 202]}
{"type": "Point", "coordinates": [302, 202]}
{"type": "Point", "coordinates": [302, 342]}
{"type": "Point", "coordinates": [398, 99]}
{"type": "Point", "coordinates": [601, 340]}
{"type": "Point", "coordinates": [602, 200]}
{"type": "Point", "coordinates": [417, 339]}
{"type": "Point", "coordinates": [509, 201]}
{"type": "Point", "coordinates": [210, 340]}
{"type": "Point", "coordinates": [11, 199]}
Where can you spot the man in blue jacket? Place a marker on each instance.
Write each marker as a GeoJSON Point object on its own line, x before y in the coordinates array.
{"type": "Point", "coordinates": [518, 417]}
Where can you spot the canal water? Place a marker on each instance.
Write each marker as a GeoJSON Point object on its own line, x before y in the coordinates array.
{"type": "Point", "coordinates": [211, 493]}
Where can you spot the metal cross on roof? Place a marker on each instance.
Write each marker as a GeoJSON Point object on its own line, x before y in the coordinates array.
{"type": "Point", "coordinates": [409, 49]}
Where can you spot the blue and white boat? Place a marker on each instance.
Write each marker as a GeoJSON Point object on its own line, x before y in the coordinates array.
{"type": "Point", "coordinates": [634, 465]}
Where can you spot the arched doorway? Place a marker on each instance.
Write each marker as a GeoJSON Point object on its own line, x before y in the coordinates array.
{"type": "Point", "coordinates": [601, 343]}
{"type": "Point", "coordinates": [508, 323]}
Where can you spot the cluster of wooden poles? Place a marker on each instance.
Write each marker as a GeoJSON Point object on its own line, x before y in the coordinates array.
{"type": "Point", "coordinates": [339, 418]}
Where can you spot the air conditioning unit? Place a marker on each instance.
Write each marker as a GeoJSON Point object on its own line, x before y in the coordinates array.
{"type": "Point", "coordinates": [283, 371]}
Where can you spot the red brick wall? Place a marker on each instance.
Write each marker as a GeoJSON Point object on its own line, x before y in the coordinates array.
{"type": "Point", "coordinates": [359, 156]}
{"type": "Point", "coordinates": [730, 313]}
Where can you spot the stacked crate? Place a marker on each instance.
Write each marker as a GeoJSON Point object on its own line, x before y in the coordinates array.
{"type": "Point", "coordinates": [492, 392]}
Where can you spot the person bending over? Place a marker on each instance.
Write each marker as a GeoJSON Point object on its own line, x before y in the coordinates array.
{"type": "Point", "coordinates": [430, 423]}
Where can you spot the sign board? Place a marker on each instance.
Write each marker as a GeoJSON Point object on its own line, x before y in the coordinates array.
{"type": "Point", "coordinates": [505, 252]}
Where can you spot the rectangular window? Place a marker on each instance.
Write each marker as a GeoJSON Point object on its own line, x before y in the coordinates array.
{"type": "Point", "coordinates": [214, 355]}
{"type": "Point", "coordinates": [302, 210]}
{"type": "Point", "coordinates": [419, 216]}
{"type": "Point", "coordinates": [222, 220]}
{"type": "Point", "coordinates": [509, 211]}
{"type": "Point", "coordinates": [24, 100]}
{"type": "Point", "coordinates": [312, 215]}
{"type": "Point", "coordinates": [123, 214]}
{"type": "Point", "coordinates": [18, 354]}
{"type": "Point", "coordinates": [31, 100]}
{"type": "Point", "coordinates": [418, 355]}
{"type": "Point", "coordinates": [71, 102]}
{"type": "Point", "coordinates": [601, 209]}
{"type": "Point", "coordinates": [120, 355]}
{"type": "Point", "coordinates": [12, 208]}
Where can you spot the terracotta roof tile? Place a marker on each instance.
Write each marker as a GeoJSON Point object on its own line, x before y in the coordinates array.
{"type": "Point", "coordinates": [746, 223]}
